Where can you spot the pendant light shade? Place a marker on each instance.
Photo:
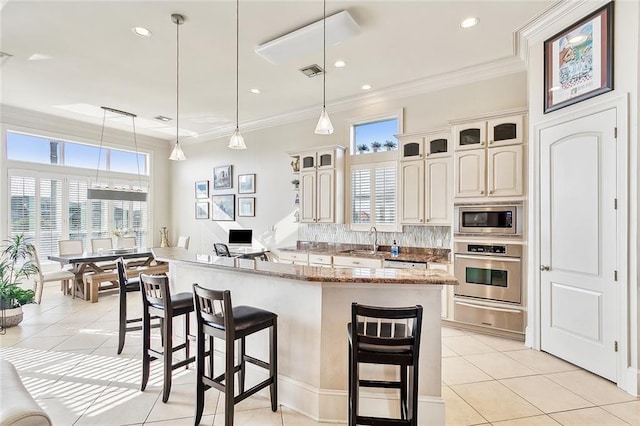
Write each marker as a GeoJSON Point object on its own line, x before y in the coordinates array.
{"type": "Point", "coordinates": [176, 153]}
{"type": "Point", "coordinates": [324, 126]}
{"type": "Point", "coordinates": [237, 141]}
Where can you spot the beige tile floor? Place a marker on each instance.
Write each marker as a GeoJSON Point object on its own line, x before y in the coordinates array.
{"type": "Point", "coordinates": [65, 351]}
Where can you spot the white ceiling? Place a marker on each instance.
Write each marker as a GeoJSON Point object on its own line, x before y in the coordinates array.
{"type": "Point", "coordinates": [95, 59]}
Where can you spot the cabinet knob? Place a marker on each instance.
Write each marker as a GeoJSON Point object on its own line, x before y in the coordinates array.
{"type": "Point", "coordinates": [427, 220]}
{"type": "Point", "coordinates": [490, 142]}
{"type": "Point", "coordinates": [544, 268]}
{"type": "Point", "coordinates": [428, 154]}
{"type": "Point", "coordinates": [481, 142]}
{"type": "Point", "coordinates": [481, 192]}
{"type": "Point", "coordinates": [356, 263]}
{"type": "Point", "coordinates": [491, 192]}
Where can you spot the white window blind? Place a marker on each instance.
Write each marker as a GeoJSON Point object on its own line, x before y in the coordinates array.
{"type": "Point", "coordinates": [78, 211]}
{"type": "Point", "coordinates": [373, 195]}
{"type": "Point", "coordinates": [99, 226]}
{"type": "Point", "coordinates": [50, 207]}
{"type": "Point", "coordinates": [22, 199]}
{"type": "Point", "coordinates": [385, 200]}
{"type": "Point", "coordinates": [361, 196]}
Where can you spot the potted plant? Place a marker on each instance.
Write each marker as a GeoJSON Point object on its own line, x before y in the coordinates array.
{"type": "Point", "coordinates": [389, 145]}
{"type": "Point", "coordinates": [295, 183]}
{"type": "Point", "coordinates": [118, 233]}
{"type": "Point", "coordinates": [16, 265]}
{"type": "Point", "coordinates": [363, 147]}
{"type": "Point", "coordinates": [376, 146]}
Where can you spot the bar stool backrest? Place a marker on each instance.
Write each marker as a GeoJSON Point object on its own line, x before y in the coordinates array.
{"type": "Point", "coordinates": [214, 309]}
{"type": "Point", "coordinates": [155, 290]}
{"type": "Point", "coordinates": [387, 329]}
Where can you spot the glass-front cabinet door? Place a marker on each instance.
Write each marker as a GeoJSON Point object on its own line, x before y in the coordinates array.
{"type": "Point", "coordinates": [505, 131]}
{"type": "Point", "coordinates": [437, 145]}
{"type": "Point", "coordinates": [308, 162]}
{"type": "Point", "coordinates": [411, 148]}
{"type": "Point", "coordinates": [471, 135]}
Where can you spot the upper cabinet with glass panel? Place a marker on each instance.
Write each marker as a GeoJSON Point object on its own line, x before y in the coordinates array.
{"type": "Point", "coordinates": [431, 144]}
{"type": "Point", "coordinates": [494, 132]}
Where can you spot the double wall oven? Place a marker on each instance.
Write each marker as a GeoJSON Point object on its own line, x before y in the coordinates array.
{"type": "Point", "coordinates": [488, 254]}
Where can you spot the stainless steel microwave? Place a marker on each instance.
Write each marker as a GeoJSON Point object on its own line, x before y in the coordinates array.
{"type": "Point", "coordinates": [487, 219]}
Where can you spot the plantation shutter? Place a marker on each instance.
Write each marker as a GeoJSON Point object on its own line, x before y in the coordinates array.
{"type": "Point", "coordinates": [361, 196]}
{"type": "Point", "coordinates": [51, 225]}
{"type": "Point", "coordinates": [385, 195]}
{"type": "Point", "coordinates": [22, 196]}
{"type": "Point", "coordinates": [77, 211]}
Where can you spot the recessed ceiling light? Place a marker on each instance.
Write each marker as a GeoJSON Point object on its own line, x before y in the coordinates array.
{"type": "Point", "coordinates": [141, 31]}
{"type": "Point", "coordinates": [255, 91]}
{"type": "Point", "coordinates": [366, 87]}
{"type": "Point", "coordinates": [339, 64]}
{"type": "Point", "coordinates": [469, 22]}
{"type": "Point", "coordinates": [39, 57]}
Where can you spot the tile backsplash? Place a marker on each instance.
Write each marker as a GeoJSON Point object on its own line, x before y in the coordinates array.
{"type": "Point", "coordinates": [411, 236]}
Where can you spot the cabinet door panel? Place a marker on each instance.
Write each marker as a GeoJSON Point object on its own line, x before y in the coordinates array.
{"type": "Point", "coordinates": [412, 192]}
{"type": "Point", "coordinates": [325, 196]}
{"type": "Point", "coordinates": [439, 184]}
{"type": "Point", "coordinates": [505, 131]}
{"type": "Point", "coordinates": [470, 173]}
{"type": "Point", "coordinates": [504, 171]}
{"type": "Point", "coordinates": [308, 197]}
{"type": "Point", "coordinates": [471, 135]}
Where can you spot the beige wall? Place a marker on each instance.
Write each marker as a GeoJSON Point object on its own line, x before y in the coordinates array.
{"type": "Point", "coordinates": [266, 157]}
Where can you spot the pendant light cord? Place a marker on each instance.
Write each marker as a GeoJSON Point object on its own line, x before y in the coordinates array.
{"type": "Point", "coordinates": [237, 64]}
{"type": "Point", "coordinates": [104, 118]}
{"type": "Point", "coordinates": [177, 79]}
{"type": "Point", "coordinates": [324, 54]}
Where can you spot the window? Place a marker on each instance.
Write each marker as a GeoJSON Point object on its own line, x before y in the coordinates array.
{"type": "Point", "coordinates": [48, 199]}
{"type": "Point", "coordinates": [373, 195]}
{"type": "Point", "coordinates": [375, 134]}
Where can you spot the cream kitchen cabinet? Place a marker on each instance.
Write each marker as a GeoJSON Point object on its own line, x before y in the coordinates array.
{"type": "Point", "coordinates": [320, 260]}
{"type": "Point", "coordinates": [322, 185]}
{"type": "Point", "coordinates": [426, 179]}
{"type": "Point", "coordinates": [295, 258]}
{"type": "Point", "coordinates": [488, 161]}
{"type": "Point", "coordinates": [439, 190]}
{"type": "Point", "coordinates": [356, 262]}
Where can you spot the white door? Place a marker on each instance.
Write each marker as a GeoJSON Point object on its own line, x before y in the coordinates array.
{"type": "Point", "coordinates": [578, 242]}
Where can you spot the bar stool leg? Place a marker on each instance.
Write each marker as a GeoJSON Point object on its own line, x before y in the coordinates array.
{"type": "Point", "coordinates": [167, 352]}
{"type": "Point", "coordinates": [187, 349]}
{"type": "Point", "coordinates": [243, 365]}
{"type": "Point", "coordinates": [229, 379]}
{"type": "Point", "coordinates": [404, 408]}
{"type": "Point", "coordinates": [200, 388]}
{"type": "Point", "coordinates": [355, 377]}
{"type": "Point", "coordinates": [122, 328]}
{"type": "Point", "coordinates": [146, 344]}
{"type": "Point", "coordinates": [273, 364]}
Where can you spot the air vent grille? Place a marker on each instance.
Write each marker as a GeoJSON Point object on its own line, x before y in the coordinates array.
{"type": "Point", "coordinates": [312, 70]}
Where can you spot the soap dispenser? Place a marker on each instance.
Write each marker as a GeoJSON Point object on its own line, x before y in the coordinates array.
{"type": "Point", "coordinates": [395, 250]}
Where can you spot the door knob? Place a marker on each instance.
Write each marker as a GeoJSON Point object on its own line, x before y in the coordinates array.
{"type": "Point", "coordinates": [544, 268]}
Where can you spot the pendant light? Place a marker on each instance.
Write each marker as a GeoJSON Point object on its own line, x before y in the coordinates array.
{"type": "Point", "coordinates": [237, 141]}
{"type": "Point", "coordinates": [177, 154]}
{"type": "Point", "coordinates": [324, 126]}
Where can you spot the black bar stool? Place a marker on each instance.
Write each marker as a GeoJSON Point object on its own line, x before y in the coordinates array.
{"type": "Point", "coordinates": [127, 285]}
{"type": "Point", "coordinates": [389, 336]}
{"type": "Point", "coordinates": [217, 318]}
{"type": "Point", "coordinates": [157, 301]}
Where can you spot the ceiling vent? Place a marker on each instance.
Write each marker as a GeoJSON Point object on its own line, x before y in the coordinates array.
{"type": "Point", "coordinates": [303, 41]}
{"type": "Point", "coordinates": [312, 70]}
{"type": "Point", "coordinates": [162, 118]}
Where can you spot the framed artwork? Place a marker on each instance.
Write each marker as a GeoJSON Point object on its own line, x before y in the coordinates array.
{"type": "Point", "coordinates": [247, 184]}
{"type": "Point", "coordinates": [223, 207]}
{"type": "Point", "coordinates": [222, 178]}
{"type": "Point", "coordinates": [202, 189]}
{"type": "Point", "coordinates": [202, 209]}
{"type": "Point", "coordinates": [246, 206]}
{"type": "Point", "coordinates": [578, 61]}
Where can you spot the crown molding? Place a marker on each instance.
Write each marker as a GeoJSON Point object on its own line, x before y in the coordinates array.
{"type": "Point", "coordinates": [56, 126]}
{"type": "Point", "coordinates": [501, 67]}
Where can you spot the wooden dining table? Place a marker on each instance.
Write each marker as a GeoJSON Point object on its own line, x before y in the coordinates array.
{"type": "Point", "coordinates": [83, 263]}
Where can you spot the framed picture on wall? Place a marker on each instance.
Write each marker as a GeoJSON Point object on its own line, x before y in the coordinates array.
{"type": "Point", "coordinates": [578, 61]}
{"type": "Point", "coordinates": [246, 206]}
{"type": "Point", "coordinates": [247, 184]}
{"type": "Point", "coordinates": [223, 207]}
{"type": "Point", "coordinates": [202, 210]}
{"type": "Point", "coordinates": [222, 178]}
{"type": "Point", "coordinates": [202, 189]}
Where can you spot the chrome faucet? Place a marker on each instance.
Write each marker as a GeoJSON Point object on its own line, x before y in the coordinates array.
{"type": "Point", "coordinates": [374, 231]}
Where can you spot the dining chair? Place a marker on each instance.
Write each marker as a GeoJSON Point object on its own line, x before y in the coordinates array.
{"type": "Point", "coordinates": [183, 242]}
{"type": "Point", "coordinates": [221, 249]}
{"type": "Point", "coordinates": [98, 244]}
{"type": "Point", "coordinates": [64, 276]}
{"type": "Point", "coordinates": [128, 242]}
{"type": "Point", "coordinates": [66, 247]}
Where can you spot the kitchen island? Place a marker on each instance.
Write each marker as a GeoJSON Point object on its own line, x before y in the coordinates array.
{"type": "Point", "coordinates": [314, 306]}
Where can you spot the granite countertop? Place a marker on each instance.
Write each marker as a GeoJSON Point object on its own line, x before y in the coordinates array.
{"type": "Point", "coordinates": [407, 254]}
{"type": "Point", "coordinates": [308, 273]}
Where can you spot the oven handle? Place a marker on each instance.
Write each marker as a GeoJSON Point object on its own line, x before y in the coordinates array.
{"type": "Point", "coordinates": [511, 311]}
{"type": "Point", "coordinates": [480, 257]}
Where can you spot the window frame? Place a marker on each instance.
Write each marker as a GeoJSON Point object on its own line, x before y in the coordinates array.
{"type": "Point", "coordinates": [372, 118]}
{"type": "Point", "coordinates": [372, 166]}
